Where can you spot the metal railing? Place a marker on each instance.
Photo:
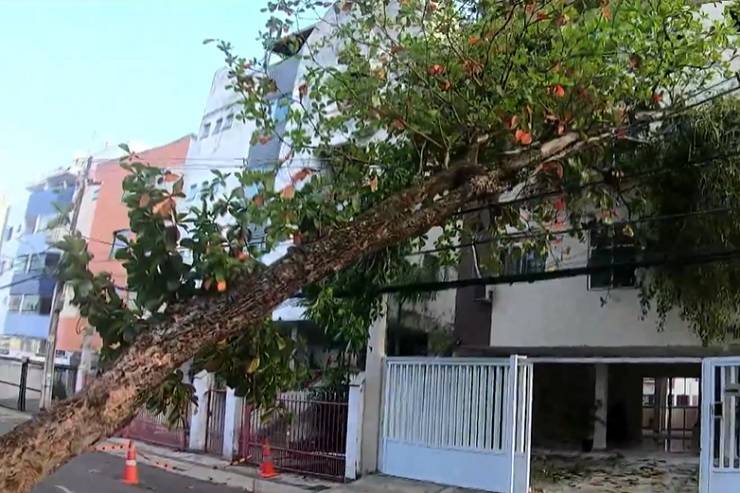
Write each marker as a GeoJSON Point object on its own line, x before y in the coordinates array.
{"type": "Point", "coordinates": [21, 381]}
{"type": "Point", "coordinates": [307, 433]}
{"type": "Point", "coordinates": [216, 419]}
{"type": "Point", "coordinates": [155, 429]}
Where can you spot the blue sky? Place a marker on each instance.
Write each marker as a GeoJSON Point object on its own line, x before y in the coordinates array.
{"type": "Point", "coordinates": [77, 74]}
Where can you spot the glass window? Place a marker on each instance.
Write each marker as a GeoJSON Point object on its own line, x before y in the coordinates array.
{"type": "Point", "coordinates": [228, 122]}
{"type": "Point", "coordinates": [217, 127]}
{"type": "Point", "coordinates": [118, 241]}
{"type": "Point", "coordinates": [192, 192]}
{"type": "Point", "coordinates": [14, 302]}
{"type": "Point", "coordinates": [8, 233]}
{"type": "Point", "coordinates": [31, 224]}
{"type": "Point", "coordinates": [37, 264]}
{"type": "Point", "coordinates": [609, 246]}
{"type": "Point", "coordinates": [280, 109]}
{"type": "Point", "coordinates": [517, 262]}
{"type": "Point", "coordinates": [51, 261]}
{"type": "Point", "coordinates": [45, 305]}
{"type": "Point", "coordinates": [205, 131]}
{"type": "Point", "coordinates": [31, 303]}
{"type": "Point", "coordinates": [20, 263]}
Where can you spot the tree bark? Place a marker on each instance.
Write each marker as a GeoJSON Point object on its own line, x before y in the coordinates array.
{"type": "Point", "coordinates": [38, 447]}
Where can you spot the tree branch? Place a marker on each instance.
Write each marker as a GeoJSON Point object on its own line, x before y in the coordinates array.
{"type": "Point", "coordinates": [38, 447]}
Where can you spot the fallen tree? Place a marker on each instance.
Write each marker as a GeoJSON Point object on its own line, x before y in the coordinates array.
{"type": "Point", "coordinates": [448, 105]}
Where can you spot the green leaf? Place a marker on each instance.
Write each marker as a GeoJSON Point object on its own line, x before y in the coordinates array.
{"type": "Point", "coordinates": [253, 365]}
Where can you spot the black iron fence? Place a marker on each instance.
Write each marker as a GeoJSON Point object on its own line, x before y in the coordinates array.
{"type": "Point", "coordinates": [307, 434]}
{"type": "Point", "coordinates": [21, 382]}
{"type": "Point", "coordinates": [216, 419]}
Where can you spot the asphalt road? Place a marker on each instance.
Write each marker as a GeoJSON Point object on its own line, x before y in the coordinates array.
{"type": "Point", "coordinates": [101, 473]}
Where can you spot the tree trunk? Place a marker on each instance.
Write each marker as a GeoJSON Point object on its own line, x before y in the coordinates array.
{"type": "Point", "coordinates": [38, 447]}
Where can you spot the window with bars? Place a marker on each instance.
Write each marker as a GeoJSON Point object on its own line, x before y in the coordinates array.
{"type": "Point", "coordinates": [610, 247]}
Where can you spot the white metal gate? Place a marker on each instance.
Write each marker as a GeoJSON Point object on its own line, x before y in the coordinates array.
{"type": "Point", "coordinates": [458, 421]}
{"type": "Point", "coordinates": [720, 426]}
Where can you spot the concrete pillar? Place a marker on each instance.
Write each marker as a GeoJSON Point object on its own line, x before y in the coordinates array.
{"type": "Point", "coordinates": [374, 390]}
{"type": "Point", "coordinates": [231, 424]}
{"type": "Point", "coordinates": [601, 404]}
{"type": "Point", "coordinates": [199, 419]}
{"type": "Point", "coordinates": [355, 407]}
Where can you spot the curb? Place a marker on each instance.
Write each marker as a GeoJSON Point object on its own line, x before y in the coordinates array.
{"type": "Point", "coordinates": [223, 474]}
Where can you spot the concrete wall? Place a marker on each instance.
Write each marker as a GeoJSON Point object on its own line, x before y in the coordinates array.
{"type": "Point", "coordinates": [566, 312]}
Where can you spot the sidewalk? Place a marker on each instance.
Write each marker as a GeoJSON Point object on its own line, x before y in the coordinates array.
{"type": "Point", "coordinates": [219, 471]}
{"type": "Point", "coordinates": [207, 468]}
{"type": "Point", "coordinates": [10, 418]}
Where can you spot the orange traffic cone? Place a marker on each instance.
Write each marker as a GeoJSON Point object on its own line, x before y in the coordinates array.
{"type": "Point", "coordinates": [130, 471]}
{"type": "Point", "coordinates": [267, 469]}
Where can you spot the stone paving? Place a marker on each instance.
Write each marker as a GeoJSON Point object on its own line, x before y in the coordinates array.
{"type": "Point", "coordinates": [615, 473]}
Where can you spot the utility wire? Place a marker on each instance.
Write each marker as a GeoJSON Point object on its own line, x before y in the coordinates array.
{"type": "Point", "coordinates": [677, 261]}
{"type": "Point", "coordinates": [528, 235]}
{"type": "Point", "coordinates": [711, 161]}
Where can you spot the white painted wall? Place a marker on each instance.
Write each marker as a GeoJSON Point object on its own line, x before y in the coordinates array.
{"type": "Point", "coordinates": [565, 312]}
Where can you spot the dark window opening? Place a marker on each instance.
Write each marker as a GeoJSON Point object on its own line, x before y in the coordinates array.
{"type": "Point", "coordinates": [45, 305]}
{"type": "Point", "coordinates": [611, 247]}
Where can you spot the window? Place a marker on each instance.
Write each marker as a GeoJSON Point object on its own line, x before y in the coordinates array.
{"type": "Point", "coordinates": [192, 192]}
{"type": "Point", "coordinates": [2, 265]}
{"type": "Point", "coordinates": [682, 400]}
{"type": "Point", "coordinates": [517, 262]}
{"type": "Point", "coordinates": [51, 261]}
{"type": "Point", "coordinates": [20, 263]}
{"type": "Point", "coordinates": [648, 400]}
{"type": "Point", "coordinates": [205, 131]}
{"type": "Point", "coordinates": [31, 224]}
{"type": "Point", "coordinates": [217, 127]}
{"type": "Point", "coordinates": [280, 109]}
{"type": "Point", "coordinates": [31, 303]}
{"type": "Point", "coordinates": [8, 233]}
{"type": "Point", "coordinates": [43, 222]}
{"type": "Point", "coordinates": [14, 302]}
{"type": "Point", "coordinates": [228, 122]}
{"type": "Point", "coordinates": [610, 246]}
{"type": "Point", "coordinates": [37, 263]}
{"type": "Point", "coordinates": [45, 305]}
{"type": "Point", "coordinates": [118, 241]}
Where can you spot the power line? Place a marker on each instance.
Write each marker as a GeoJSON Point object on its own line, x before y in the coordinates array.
{"type": "Point", "coordinates": [527, 235]}
{"type": "Point", "coordinates": [664, 260]}
{"type": "Point", "coordinates": [570, 189]}
{"type": "Point", "coordinates": [45, 275]}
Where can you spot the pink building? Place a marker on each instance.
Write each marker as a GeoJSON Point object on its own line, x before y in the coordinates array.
{"type": "Point", "coordinates": [102, 217]}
